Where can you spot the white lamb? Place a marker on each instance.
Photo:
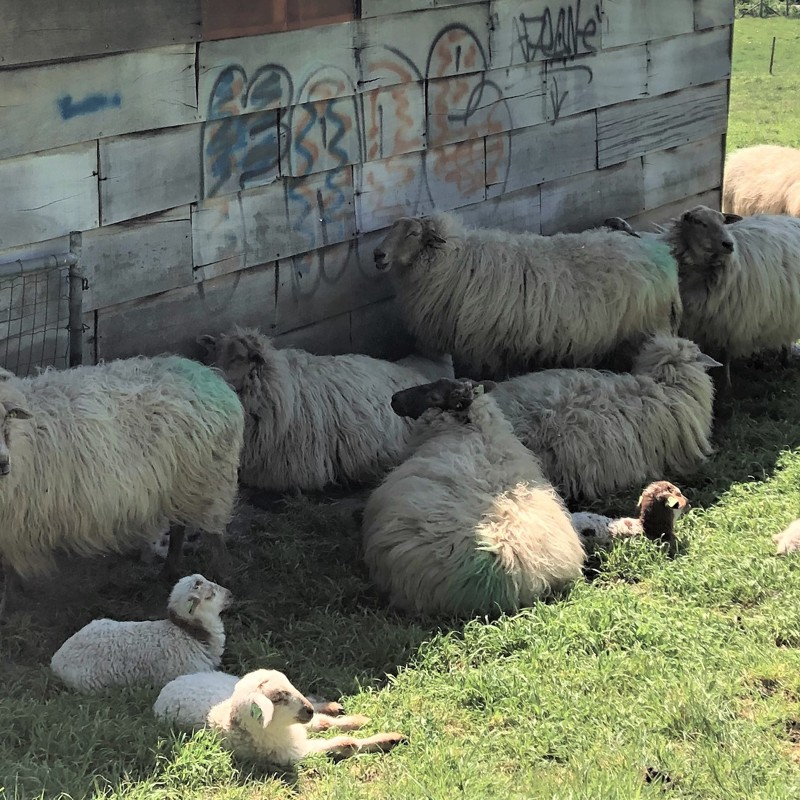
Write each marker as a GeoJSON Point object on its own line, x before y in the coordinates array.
{"type": "Point", "coordinates": [261, 717]}
{"type": "Point", "coordinates": [108, 652]}
{"type": "Point", "coordinates": [315, 420]}
{"type": "Point", "coordinates": [503, 303]}
{"type": "Point", "coordinates": [764, 179]}
{"type": "Point", "coordinates": [94, 459]}
{"type": "Point", "coordinates": [788, 541]}
{"type": "Point", "coordinates": [467, 523]}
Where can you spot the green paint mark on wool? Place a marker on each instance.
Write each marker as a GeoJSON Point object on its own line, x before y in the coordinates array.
{"type": "Point", "coordinates": [207, 383]}
{"type": "Point", "coordinates": [660, 255]}
{"type": "Point", "coordinates": [485, 586]}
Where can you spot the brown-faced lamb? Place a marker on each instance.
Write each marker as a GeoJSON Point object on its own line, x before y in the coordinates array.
{"type": "Point", "coordinates": [504, 303]}
{"type": "Point", "coordinates": [764, 179]}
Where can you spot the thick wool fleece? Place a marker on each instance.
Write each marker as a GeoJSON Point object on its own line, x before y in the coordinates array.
{"type": "Point", "coordinates": [764, 179]}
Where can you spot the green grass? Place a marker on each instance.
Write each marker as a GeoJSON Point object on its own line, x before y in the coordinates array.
{"type": "Point", "coordinates": [689, 667]}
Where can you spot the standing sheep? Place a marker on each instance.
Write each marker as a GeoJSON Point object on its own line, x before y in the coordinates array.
{"type": "Point", "coordinates": [95, 458]}
{"type": "Point", "coordinates": [467, 523]}
{"type": "Point", "coordinates": [503, 303]}
{"type": "Point", "coordinates": [764, 179]}
{"type": "Point", "coordinates": [315, 420]}
{"type": "Point", "coordinates": [108, 653]}
{"type": "Point", "coordinates": [262, 718]}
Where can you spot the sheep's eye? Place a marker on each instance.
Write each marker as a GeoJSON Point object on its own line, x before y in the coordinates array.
{"type": "Point", "coordinates": [15, 413]}
{"type": "Point", "coordinates": [415, 233]}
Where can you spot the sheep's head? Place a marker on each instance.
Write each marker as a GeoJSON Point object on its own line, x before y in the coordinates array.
{"type": "Point", "coordinates": [660, 506]}
{"type": "Point", "coordinates": [267, 697]}
{"type": "Point", "coordinates": [621, 225]}
{"type": "Point", "coordinates": [660, 352]}
{"type": "Point", "coordinates": [195, 598]}
{"type": "Point", "coordinates": [13, 411]}
{"type": "Point", "coordinates": [447, 394]}
{"type": "Point", "coordinates": [406, 239]}
{"type": "Point", "coordinates": [235, 354]}
{"type": "Point", "coordinates": [703, 233]}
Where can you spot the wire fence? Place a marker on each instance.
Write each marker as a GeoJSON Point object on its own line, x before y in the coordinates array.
{"type": "Point", "coordinates": [767, 8]}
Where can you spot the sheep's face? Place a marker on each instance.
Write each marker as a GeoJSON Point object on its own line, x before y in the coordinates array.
{"type": "Point", "coordinates": [407, 238]}
{"type": "Point", "coordinates": [235, 355]}
{"type": "Point", "coordinates": [196, 598]}
{"type": "Point", "coordinates": [665, 494]}
{"type": "Point", "coordinates": [447, 394]}
{"type": "Point", "coordinates": [704, 233]}
{"type": "Point", "coordinates": [662, 351]}
{"type": "Point", "coordinates": [267, 697]}
{"type": "Point", "coordinates": [12, 413]}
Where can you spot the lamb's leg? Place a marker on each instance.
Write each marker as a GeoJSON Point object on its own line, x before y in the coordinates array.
{"type": "Point", "coordinates": [346, 746]}
{"type": "Point", "coordinates": [172, 564]}
{"type": "Point", "coordinates": [323, 722]}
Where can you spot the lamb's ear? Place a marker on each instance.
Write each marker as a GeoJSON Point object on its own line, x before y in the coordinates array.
{"type": "Point", "coordinates": [707, 361]}
{"type": "Point", "coordinates": [194, 601]}
{"type": "Point", "coordinates": [731, 218]}
{"type": "Point", "coordinates": [209, 342]}
{"type": "Point", "coordinates": [259, 708]}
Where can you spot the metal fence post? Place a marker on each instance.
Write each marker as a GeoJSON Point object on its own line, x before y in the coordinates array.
{"type": "Point", "coordinates": [75, 301]}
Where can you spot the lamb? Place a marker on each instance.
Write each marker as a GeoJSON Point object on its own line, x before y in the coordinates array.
{"type": "Point", "coordinates": [467, 523]}
{"type": "Point", "coordinates": [314, 420]}
{"type": "Point", "coordinates": [108, 653]}
{"type": "Point", "coordinates": [504, 303]}
{"type": "Point", "coordinates": [95, 458]}
{"type": "Point", "coordinates": [764, 179]}
{"type": "Point", "coordinates": [262, 717]}
{"type": "Point", "coordinates": [660, 506]}
{"type": "Point", "coordinates": [788, 541]}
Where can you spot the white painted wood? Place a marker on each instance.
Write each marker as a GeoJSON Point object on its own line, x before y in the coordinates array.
{"type": "Point", "coordinates": [670, 175]}
{"type": "Point", "coordinates": [583, 201]}
{"type": "Point", "coordinates": [394, 120]}
{"type": "Point", "coordinates": [710, 13]}
{"type": "Point", "coordinates": [658, 216]}
{"type": "Point", "coordinates": [144, 173]}
{"type": "Point", "coordinates": [48, 194]}
{"type": "Point", "coordinates": [632, 129]}
{"type": "Point", "coordinates": [517, 212]}
{"type": "Point", "coordinates": [47, 106]}
{"type": "Point", "coordinates": [380, 8]}
{"type": "Point", "coordinates": [688, 60]}
{"type": "Point", "coordinates": [633, 21]}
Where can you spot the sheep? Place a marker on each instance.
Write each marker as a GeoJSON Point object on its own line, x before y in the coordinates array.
{"type": "Point", "coordinates": [503, 303]}
{"type": "Point", "coordinates": [788, 541]}
{"type": "Point", "coordinates": [312, 421]}
{"type": "Point", "coordinates": [262, 717]}
{"type": "Point", "coordinates": [660, 506]}
{"type": "Point", "coordinates": [467, 524]}
{"type": "Point", "coordinates": [108, 652]}
{"type": "Point", "coordinates": [95, 458]}
{"type": "Point", "coordinates": [764, 179]}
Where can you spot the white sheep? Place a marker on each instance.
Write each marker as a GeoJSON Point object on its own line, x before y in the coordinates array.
{"type": "Point", "coordinates": [467, 523]}
{"type": "Point", "coordinates": [599, 432]}
{"type": "Point", "coordinates": [262, 717]}
{"type": "Point", "coordinates": [764, 179]}
{"type": "Point", "coordinates": [95, 458]}
{"type": "Point", "coordinates": [660, 506]}
{"type": "Point", "coordinates": [108, 652]}
{"type": "Point", "coordinates": [504, 303]}
{"type": "Point", "coordinates": [315, 420]}
{"type": "Point", "coordinates": [788, 541]}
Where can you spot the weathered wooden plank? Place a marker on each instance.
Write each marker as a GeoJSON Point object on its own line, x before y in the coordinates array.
{"type": "Point", "coordinates": [410, 47]}
{"type": "Point", "coordinates": [670, 175]}
{"type": "Point", "coordinates": [632, 129]}
{"type": "Point", "coordinates": [378, 330]}
{"type": "Point", "coordinates": [534, 30]}
{"type": "Point", "coordinates": [326, 337]}
{"type": "Point", "coordinates": [518, 212]}
{"type": "Point", "coordinates": [57, 104]}
{"type": "Point", "coordinates": [583, 201]}
{"type": "Point", "coordinates": [470, 106]}
{"type": "Point", "coordinates": [587, 82]}
{"type": "Point", "coordinates": [688, 60]}
{"type": "Point", "coordinates": [634, 21]}
{"type": "Point", "coordinates": [48, 194]}
{"type": "Point", "coordinates": [224, 19]}
{"type": "Point", "coordinates": [394, 120]}
{"type": "Point", "coordinates": [137, 259]}
{"type": "Point", "coordinates": [52, 30]}
{"type": "Point", "coordinates": [272, 222]}
{"type": "Point", "coordinates": [380, 8]}
{"type": "Point", "coordinates": [547, 152]}
{"type": "Point", "coordinates": [148, 172]}
{"type": "Point", "coordinates": [170, 322]}
{"type": "Point", "coordinates": [710, 13]}
{"type": "Point", "coordinates": [309, 13]}
{"type": "Point", "coordinates": [658, 216]}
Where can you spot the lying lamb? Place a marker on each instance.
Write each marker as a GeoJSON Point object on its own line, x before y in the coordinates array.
{"type": "Point", "coordinates": [95, 458]}
{"type": "Point", "coordinates": [660, 506]}
{"type": "Point", "coordinates": [788, 541]}
{"type": "Point", "coordinates": [764, 179]}
{"type": "Point", "coordinates": [503, 303]}
{"type": "Point", "coordinates": [108, 653]}
{"type": "Point", "coordinates": [315, 420]}
{"type": "Point", "coordinates": [262, 718]}
{"type": "Point", "coordinates": [467, 523]}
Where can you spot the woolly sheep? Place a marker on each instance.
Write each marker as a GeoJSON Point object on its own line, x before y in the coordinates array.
{"type": "Point", "coordinates": [314, 420]}
{"type": "Point", "coordinates": [660, 506]}
{"type": "Point", "coordinates": [95, 458]}
{"type": "Point", "coordinates": [262, 717]}
{"type": "Point", "coordinates": [502, 303]}
{"type": "Point", "coordinates": [467, 523]}
{"type": "Point", "coordinates": [764, 179]}
{"type": "Point", "coordinates": [788, 541]}
{"type": "Point", "coordinates": [108, 653]}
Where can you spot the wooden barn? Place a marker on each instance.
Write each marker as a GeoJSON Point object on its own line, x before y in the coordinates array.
{"type": "Point", "coordinates": [235, 161]}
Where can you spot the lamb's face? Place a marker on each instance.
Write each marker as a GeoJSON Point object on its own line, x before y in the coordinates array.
{"type": "Point", "coordinates": [704, 233]}
{"type": "Point", "coordinates": [447, 394]}
{"type": "Point", "coordinates": [667, 495]}
{"type": "Point", "coordinates": [196, 598]}
{"type": "Point", "coordinates": [402, 244]}
{"type": "Point", "coordinates": [12, 413]}
{"type": "Point", "coordinates": [268, 697]}
{"type": "Point", "coordinates": [234, 355]}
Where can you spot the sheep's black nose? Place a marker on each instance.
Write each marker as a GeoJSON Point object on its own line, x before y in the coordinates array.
{"type": "Point", "coordinates": [727, 246]}
{"type": "Point", "coordinates": [305, 714]}
{"type": "Point", "coordinates": [380, 258]}
{"type": "Point", "coordinates": [5, 468]}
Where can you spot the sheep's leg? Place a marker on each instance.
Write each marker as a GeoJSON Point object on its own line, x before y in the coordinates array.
{"type": "Point", "coordinates": [172, 564]}
{"type": "Point", "coordinates": [346, 746]}
{"type": "Point", "coordinates": [323, 722]}
{"type": "Point", "coordinates": [219, 558]}
{"type": "Point", "coordinates": [12, 589]}
{"type": "Point", "coordinates": [327, 707]}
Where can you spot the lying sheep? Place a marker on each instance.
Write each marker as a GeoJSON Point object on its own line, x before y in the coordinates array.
{"type": "Point", "coordinates": [95, 458]}
{"type": "Point", "coordinates": [261, 717]}
{"type": "Point", "coordinates": [108, 653]}
{"type": "Point", "coordinates": [467, 523]}
{"type": "Point", "coordinates": [788, 541]}
{"type": "Point", "coordinates": [660, 506]}
{"type": "Point", "coordinates": [503, 303]}
{"type": "Point", "coordinates": [314, 420]}
{"type": "Point", "coordinates": [764, 179]}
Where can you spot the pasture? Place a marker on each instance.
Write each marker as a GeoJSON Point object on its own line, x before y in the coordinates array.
{"type": "Point", "coordinates": [657, 678]}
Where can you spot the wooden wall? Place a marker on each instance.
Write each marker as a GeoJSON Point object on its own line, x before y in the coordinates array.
{"type": "Point", "coordinates": [237, 160]}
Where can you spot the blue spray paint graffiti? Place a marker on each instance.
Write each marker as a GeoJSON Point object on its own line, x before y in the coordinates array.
{"type": "Point", "coordinates": [92, 103]}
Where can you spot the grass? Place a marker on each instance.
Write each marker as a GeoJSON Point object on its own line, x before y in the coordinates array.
{"type": "Point", "coordinates": [660, 678]}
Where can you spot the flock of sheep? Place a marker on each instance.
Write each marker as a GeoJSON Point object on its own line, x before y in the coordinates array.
{"type": "Point", "coordinates": [551, 369]}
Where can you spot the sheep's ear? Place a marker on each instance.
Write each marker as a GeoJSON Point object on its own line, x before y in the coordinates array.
{"type": "Point", "coordinates": [430, 235]}
{"type": "Point", "coordinates": [18, 413]}
{"type": "Point", "coordinates": [207, 341]}
{"type": "Point", "coordinates": [731, 218]}
{"type": "Point", "coordinates": [672, 502]}
{"type": "Point", "coordinates": [260, 709]}
{"type": "Point", "coordinates": [707, 361]}
{"type": "Point", "coordinates": [487, 386]}
{"type": "Point", "coordinates": [248, 349]}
